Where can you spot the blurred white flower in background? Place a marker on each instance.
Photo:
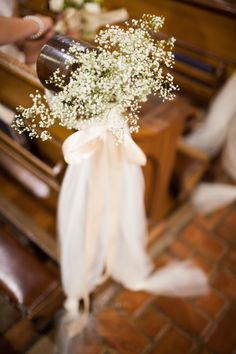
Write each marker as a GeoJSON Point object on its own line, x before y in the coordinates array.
{"type": "Point", "coordinates": [92, 7]}
{"type": "Point", "coordinates": [78, 2]}
{"type": "Point", "coordinates": [56, 5]}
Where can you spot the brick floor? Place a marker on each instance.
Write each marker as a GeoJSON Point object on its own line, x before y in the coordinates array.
{"type": "Point", "coordinates": [231, 259]}
{"type": "Point", "coordinates": [223, 337]}
{"type": "Point", "coordinates": [130, 301]}
{"type": "Point", "coordinates": [117, 332]}
{"type": "Point", "coordinates": [182, 313]}
{"type": "Point", "coordinates": [174, 342]}
{"type": "Point", "coordinates": [140, 323]}
{"type": "Point", "coordinates": [231, 219]}
{"type": "Point", "coordinates": [212, 304]}
{"type": "Point", "coordinates": [151, 322]}
{"type": "Point", "coordinates": [203, 241]}
{"type": "Point", "coordinates": [225, 282]}
{"type": "Point", "coordinates": [210, 221]}
{"type": "Point", "coordinates": [226, 232]}
{"type": "Point", "coordinates": [181, 249]}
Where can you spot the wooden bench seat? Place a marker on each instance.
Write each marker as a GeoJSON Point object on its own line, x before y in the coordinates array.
{"type": "Point", "coordinates": [24, 278]}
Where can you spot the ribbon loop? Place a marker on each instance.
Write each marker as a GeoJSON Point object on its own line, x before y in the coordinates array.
{"type": "Point", "coordinates": [82, 144]}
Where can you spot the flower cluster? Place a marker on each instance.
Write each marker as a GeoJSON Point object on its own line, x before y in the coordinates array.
{"type": "Point", "coordinates": [59, 5]}
{"type": "Point", "coordinates": [128, 65]}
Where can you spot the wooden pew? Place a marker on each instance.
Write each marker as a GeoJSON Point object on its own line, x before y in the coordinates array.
{"type": "Point", "coordinates": [24, 276]}
{"type": "Point", "coordinates": [43, 164]}
{"type": "Point", "coordinates": [27, 7]}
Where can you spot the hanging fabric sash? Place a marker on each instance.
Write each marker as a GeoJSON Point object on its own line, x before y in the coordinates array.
{"type": "Point", "coordinates": [102, 222]}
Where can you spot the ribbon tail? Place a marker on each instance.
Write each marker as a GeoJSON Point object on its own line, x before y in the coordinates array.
{"type": "Point", "coordinates": [80, 211]}
{"type": "Point", "coordinates": [132, 151]}
{"type": "Point", "coordinates": [179, 279]}
{"type": "Point", "coordinates": [71, 215]}
{"type": "Point", "coordinates": [176, 279]}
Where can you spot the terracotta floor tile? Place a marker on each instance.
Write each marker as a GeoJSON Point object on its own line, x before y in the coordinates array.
{"type": "Point", "coordinates": [203, 241]}
{"type": "Point", "coordinates": [204, 351]}
{"type": "Point", "coordinates": [223, 338]}
{"type": "Point", "coordinates": [180, 249]}
{"type": "Point", "coordinates": [88, 349]}
{"type": "Point", "coordinates": [203, 263]}
{"type": "Point", "coordinates": [43, 346]}
{"type": "Point", "coordinates": [182, 313]}
{"type": "Point", "coordinates": [119, 334]}
{"type": "Point", "coordinates": [211, 220]}
{"type": "Point", "coordinates": [212, 303]}
{"type": "Point", "coordinates": [21, 335]}
{"type": "Point", "coordinates": [109, 351]}
{"type": "Point", "coordinates": [174, 342]}
{"type": "Point", "coordinates": [93, 349]}
{"type": "Point", "coordinates": [226, 233]}
{"type": "Point", "coordinates": [150, 322]}
{"type": "Point", "coordinates": [231, 259]}
{"type": "Point", "coordinates": [162, 259]}
{"type": "Point", "coordinates": [131, 301]}
{"type": "Point", "coordinates": [230, 220]}
{"type": "Point", "coordinates": [226, 283]}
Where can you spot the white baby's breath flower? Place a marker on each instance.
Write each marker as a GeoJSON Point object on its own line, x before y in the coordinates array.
{"type": "Point", "coordinates": [44, 135]}
{"type": "Point", "coordinates": [56, 5]}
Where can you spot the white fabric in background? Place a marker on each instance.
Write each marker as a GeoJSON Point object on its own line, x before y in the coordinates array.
{"type": "Point", "coordinates": [229, 153]}
{"type": "Point", "coordinates": [102, 222]}
{"type": "Point", "coordinates": [218, 131]}
{"type": "Point", "coordinates": [211, 135]}
{"type": "Point", "coordinates": [208, 197]}
{"type": "Point", "coordinates": [6, 114]}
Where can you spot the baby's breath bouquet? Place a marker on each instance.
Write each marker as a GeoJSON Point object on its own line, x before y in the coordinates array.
{"type": "Point", "coordinates": [127, 66]}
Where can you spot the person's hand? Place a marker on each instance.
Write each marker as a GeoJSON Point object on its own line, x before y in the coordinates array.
{"type": "Point", "coordinates": [48, 25]}
{"type": "Point", "coordinates": [32, 48]}
{"type": "Point", "coordinates": [48, 34]}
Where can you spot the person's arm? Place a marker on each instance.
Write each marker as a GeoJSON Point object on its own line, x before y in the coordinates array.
{"type": "Point", "coordinates": [13, 29]}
